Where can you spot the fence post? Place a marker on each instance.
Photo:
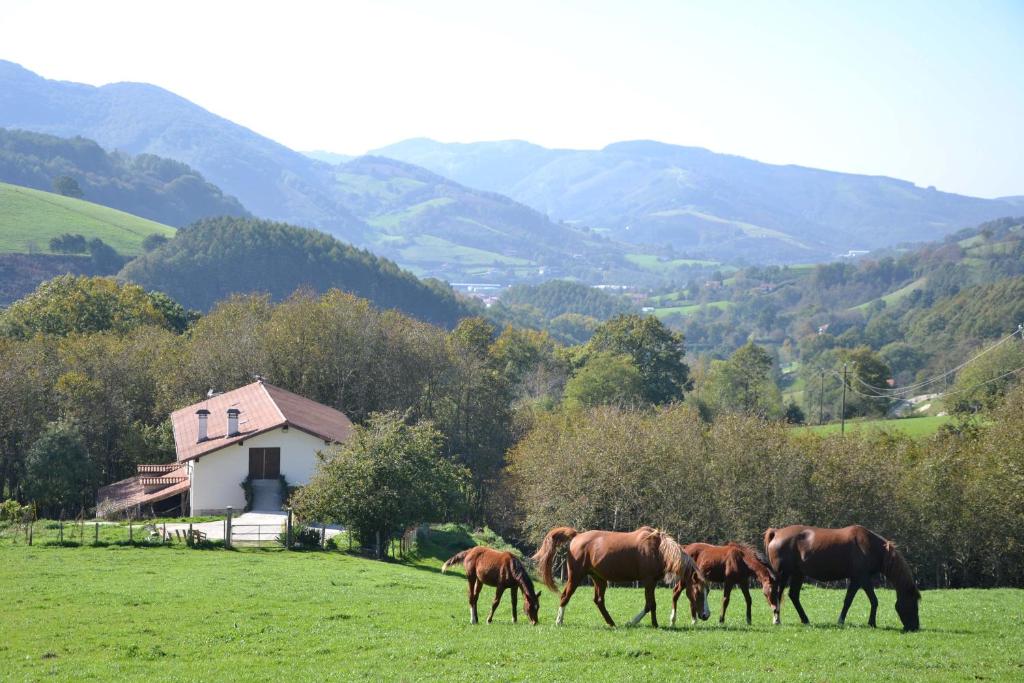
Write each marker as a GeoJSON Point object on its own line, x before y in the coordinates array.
{"type": "Point", "coordinates": [131, 532]}
{"type": "Point", "coordinates": [227, 529]}
{"type": "Point", "coordinates": [288, 531]}
{"type": "Point", "coordinates": [323, 535]}
{"type": "Point", "coordinates": [96, 537]}
{"type": "Point", "coordinates": [62, 525]}
{"type": "Point", "coordinates": [188, 541]}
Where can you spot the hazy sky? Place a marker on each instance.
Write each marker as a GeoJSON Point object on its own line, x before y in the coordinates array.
{"type": "Point", "coordinates": [928, 91]}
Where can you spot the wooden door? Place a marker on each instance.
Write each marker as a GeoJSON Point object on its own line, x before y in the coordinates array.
{"type": "Point", "coordinates": [264, 463]}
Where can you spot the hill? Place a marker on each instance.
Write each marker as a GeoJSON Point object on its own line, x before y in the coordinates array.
{"type": "Point", "coordinates": [160, 189]}
{"type": "Point", "coordinates": [30, 218]}
{"type": "Point", "coordinates": [423, 221]}
{"type": "Point", "coordinates": [215, 258]}
{"type": "Point", "coordinates": [713, 205]}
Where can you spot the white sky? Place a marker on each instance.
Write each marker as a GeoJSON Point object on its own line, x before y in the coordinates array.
{"type": "Point", "coordinates": [928, 91]}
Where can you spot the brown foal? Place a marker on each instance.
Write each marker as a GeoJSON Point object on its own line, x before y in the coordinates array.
{"type": "Point", "coordinates": [486, 566]}
{"type": "Point", "coordinates": [732, 564]}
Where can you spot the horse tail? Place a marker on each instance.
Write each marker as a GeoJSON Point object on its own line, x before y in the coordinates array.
{"type": "Point", "coordinates": [457, 558]}
{"type": "Point", "coordinates": [545, 556]}
{"type": "Point", "coordinates": [898, 571]}
{"type": "Point", "coordinates": [757, 562]}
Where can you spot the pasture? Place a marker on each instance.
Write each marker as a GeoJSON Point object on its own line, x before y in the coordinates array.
{"type": "Point", "coordinates": [172, 613]}
{"type": "Point", "coordinates": [916, 427]}
{"type": "Point", "coordinates": [32, 217]}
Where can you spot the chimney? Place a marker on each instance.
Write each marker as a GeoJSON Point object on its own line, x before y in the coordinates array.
{"type": "Point", "coordinates": [233, 421]}
{"type": "Point", "coordinates": [202, 414]}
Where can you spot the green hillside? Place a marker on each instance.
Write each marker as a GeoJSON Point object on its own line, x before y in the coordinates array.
{"type": "Point", "coordinates": [29, 218]}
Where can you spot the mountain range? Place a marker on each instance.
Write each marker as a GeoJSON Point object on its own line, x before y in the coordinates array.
{"type": "Point", "coordinates": [508, 211]}
{"type": "Point", "coordinates": [710, 204]}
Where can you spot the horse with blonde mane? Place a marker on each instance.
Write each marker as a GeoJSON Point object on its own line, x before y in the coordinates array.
{"type": "Point", "coordinates": [853, 553]}
{"type": "Point", "coordinates": [645, 555]}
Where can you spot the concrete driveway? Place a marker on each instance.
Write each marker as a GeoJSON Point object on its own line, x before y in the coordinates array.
{"type": "Point", "coordinates": [249, 527]}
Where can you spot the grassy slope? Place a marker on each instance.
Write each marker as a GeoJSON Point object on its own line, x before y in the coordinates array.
{"type": "Point", "coordinates": [165, 614]}
{"type": "Point", "coordinates": [913, 426]}
{"type": "Point", "coordinates": [690, 309]}
{"type": "Point", "coordinates": [28, 216]}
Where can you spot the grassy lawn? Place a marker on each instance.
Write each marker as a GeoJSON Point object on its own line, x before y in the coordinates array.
{"type": "Point", "coordinates": [690, 309]}
{"type": "Point", "coordinates": [33, 217]}
{"type": "Point", "coordinates": [170, 613]}
{"type": "Point", "coordinates": [654, 263]}
{"type": "Point", "coordinates": [913, 426]}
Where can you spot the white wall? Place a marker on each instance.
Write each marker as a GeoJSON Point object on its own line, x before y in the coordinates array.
{"type": "Point", "coordinates": [217, 477]}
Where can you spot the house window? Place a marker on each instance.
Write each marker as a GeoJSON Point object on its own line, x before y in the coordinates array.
{"type": "Point", "coordinates": [264, 463]}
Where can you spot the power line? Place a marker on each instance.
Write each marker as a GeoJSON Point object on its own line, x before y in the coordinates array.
{"type": "Point", "coordinates": [901, 392]}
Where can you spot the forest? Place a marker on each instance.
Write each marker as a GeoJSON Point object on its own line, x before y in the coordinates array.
{"type": "Point", "coordinates": [515, 430]}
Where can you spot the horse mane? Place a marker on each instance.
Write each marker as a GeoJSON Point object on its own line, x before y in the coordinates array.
{"type": "Point", "coordinates": [897, 570]}
{"type": "Point", "coordinates": [679, 566]}
{"type": "Point", "coordinates": [760, 561]}
{"type": "Point", "coordinates": [522, 577]}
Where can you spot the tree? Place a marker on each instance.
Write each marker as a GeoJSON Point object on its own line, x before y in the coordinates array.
{"type": "Point", "coordinates": [983, 384]}
{"type": "Point", "coordinates": [69, 244]}
{"type": "Point", "coordinates": [388, 476]}
{"type": "Point", "coordinates": [151, 242]}
{"type": "Point", "coordinates": [67, 186]}
{"type": "Point", "coordinates": [72, 303]}
{"type": "Point", "coordinates": [58, 471]}
{"type": "Point", "coordinates": [606, 379]}
{"type": "Point", "coordinates": [656, 351]}
{"type": "Point", "coordinates": [744, 383]}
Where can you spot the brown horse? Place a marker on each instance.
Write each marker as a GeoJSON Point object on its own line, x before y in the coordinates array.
{"type": "Point", "coordinates": [853, 553]}
{"type": "Point", "coordinates": [645, 555]}
{"type": "Point", "coordinates": [732, 564]}
{"type": "Point", "coordinates": [501, 570]}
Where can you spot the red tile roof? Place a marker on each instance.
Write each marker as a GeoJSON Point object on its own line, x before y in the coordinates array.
{"type": "Point", "coordinates": [138, 490]}
{"type": "Point", "coordinates": [262, 407]}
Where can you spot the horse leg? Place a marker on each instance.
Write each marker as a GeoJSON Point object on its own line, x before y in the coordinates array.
{"type": "Point", "coordinates": [600, 586]}
{"type": "Point", "coordinates": [746, 596]}
{"type": "Point", "coordinates": [675, 598]}
{"type": "Point", "coordinates": [794, 594]}
{"type": "Point", "coordinates": [570, 587]}
{"type": "Point", "coordinates": [870, 591]}
{"type": "Point", "coordinates": [851, 593]}
{"type": "Point", "coordinates": [474, 593]}
{"type": "Point", "coordinates": [497, 599]}
{"type": "Point", "coordinates": [726, 591]}
{"type": "Point", "coordinates": [515, 616]}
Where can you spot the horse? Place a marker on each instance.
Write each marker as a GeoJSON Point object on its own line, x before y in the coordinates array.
{"type": "Point", "coordinates": [853, 553]}
{"type": "Point", "coordinates": [645, 555]}
{"type": "Point", "coordinates": [732, 564]}
{"type": "Point", "coordinates": [486, 566]}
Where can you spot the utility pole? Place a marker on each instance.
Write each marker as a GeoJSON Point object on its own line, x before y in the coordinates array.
{"type": "Point", "coordinates": [842, 415]}
{"type": "Point", "coordinates": [821, 400]}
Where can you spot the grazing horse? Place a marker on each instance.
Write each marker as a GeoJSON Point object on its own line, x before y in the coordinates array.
{"type": "Point", "coordinates": [732, 564]}
{"type": "Point", "coordinates": [853, 553]}
{"type": "Point", "coordinates": [501, 570]}
{"type": "Point", "coordinates": [645, 555]}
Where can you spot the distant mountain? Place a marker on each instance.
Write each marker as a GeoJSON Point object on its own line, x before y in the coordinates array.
{"type": "Point", "coordinates": [427, 223]}
{"type": "Point", "coordinates": [329, 157]}
{"type": "Point", "coordinates": [215, 258]}
{"type": "Point", "coordinates": [705, 203]}
{"type": "Point", "coordinates": [268, 178]}
{"type": "Point", "coordinates": [160, 189]}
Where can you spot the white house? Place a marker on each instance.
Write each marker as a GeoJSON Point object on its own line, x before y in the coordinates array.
{"type": "Point", "coordinates": [258, 430]}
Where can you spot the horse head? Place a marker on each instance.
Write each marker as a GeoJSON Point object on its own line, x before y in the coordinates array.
{"type": "Point", "coordinates": [697, 588]}
{"type": "Point", "coordinates": [532, 606]}
{"type": "Point", "coordinates": [901, 577]}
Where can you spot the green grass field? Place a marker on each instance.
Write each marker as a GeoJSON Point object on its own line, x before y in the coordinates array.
{"type": "Point", "coordinates": [912, 426]}
{"type": "Point", "coordinates": [655, 264]}
{"type": "Point", "coordinates": [690, 309]}
{"type": "Point", "coordinates": [172, 613]}
{"type": "Point", "coordinates": [30, 217]}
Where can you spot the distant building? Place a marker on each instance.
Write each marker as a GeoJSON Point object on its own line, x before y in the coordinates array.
{"type": "Point", "coordinates": [258, 431]}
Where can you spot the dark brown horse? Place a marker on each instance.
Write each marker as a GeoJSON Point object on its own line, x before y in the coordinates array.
{"type": "Point", "coordinates": [645, 555]}
{"type": "Point", "coordinates": [485, 566]}
{"type": "Point", "coordinates": [732, 564]}
{"type": "Point", "coordinates": [853, 553]}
